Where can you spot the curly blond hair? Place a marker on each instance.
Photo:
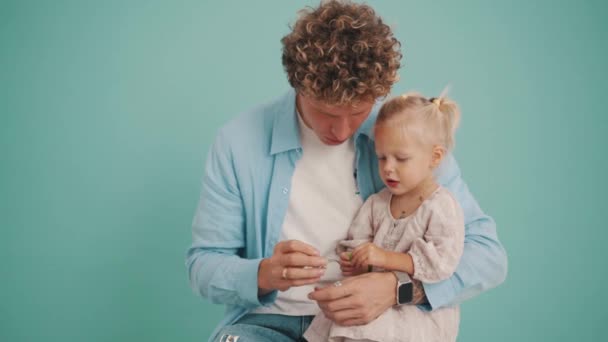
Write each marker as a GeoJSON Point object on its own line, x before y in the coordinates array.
{"type": "Point", "coordinates": [341, 53]}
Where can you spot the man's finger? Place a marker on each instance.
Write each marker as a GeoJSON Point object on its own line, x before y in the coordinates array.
{"type": "Point", "coordinates": [329, 293]}
{"type": "Point", "coordinates": [343, 315]}
{"type": "Point", "coordinates": [291, 246]}
{"type": "Point", "coordinates": [295, 273]}
{"type": "Point", "coordinates": [338, 305]}
{"type": "Point", "coordinates": [306, 281]}
{"type": "Point", "coordinates": [301, 260]}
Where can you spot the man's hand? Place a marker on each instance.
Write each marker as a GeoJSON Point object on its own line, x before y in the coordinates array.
{"type": "Point", "coordinates": [359, 300]}
{"type": "Point", "coordinates": [293, 263]}
{"type": "Point", "coordinates": [368, 254]}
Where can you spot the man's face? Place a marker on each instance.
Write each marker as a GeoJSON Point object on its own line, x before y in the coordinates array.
{"type": "Point", "coordinates": [333, 124]}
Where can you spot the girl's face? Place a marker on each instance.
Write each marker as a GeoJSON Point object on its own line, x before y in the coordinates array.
{"type": "Point", "coordinates": [404, 163]}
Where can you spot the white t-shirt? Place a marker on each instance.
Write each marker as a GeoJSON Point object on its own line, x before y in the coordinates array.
{"type": "Point", "coordinates": [322, 203]}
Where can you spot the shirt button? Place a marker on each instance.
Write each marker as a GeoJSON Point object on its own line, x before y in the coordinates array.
{"type": "Point", "coordinates": [285, 191]}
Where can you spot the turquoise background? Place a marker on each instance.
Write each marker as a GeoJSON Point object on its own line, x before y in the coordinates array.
{"type": "Point", "coordinates": [108, 108]}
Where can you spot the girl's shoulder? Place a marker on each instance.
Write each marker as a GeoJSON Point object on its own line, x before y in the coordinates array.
{"type": "Point", "coordinates": [443, 201]}
{"type": "Point", "coordinates": [377, 201]}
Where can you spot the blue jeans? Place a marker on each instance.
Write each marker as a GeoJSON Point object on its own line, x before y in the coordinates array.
{"type": "Point", "coordinates": [265, 327]}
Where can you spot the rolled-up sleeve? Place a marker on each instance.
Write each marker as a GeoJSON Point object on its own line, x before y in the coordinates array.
{"type": "Point", "coordinates": [215, 267]}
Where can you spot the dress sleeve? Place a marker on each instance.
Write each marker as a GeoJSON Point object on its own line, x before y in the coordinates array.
{"type": "Point", "coordinates": [437, 253]}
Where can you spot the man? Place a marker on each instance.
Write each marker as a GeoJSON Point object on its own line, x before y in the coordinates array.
{"type": "Point", "coordinates": [283, 181]}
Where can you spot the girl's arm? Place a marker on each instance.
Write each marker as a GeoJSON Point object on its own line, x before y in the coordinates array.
{"type": "Point", "coordinates": [360, 232]}
{"type": "Point", "coordinates": [435, 256]}
{"type": "Point", "coordinates": [432, 257]}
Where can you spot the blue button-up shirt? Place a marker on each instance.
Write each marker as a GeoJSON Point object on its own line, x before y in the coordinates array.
{"type": "Point", "coordinates": [244, 197]}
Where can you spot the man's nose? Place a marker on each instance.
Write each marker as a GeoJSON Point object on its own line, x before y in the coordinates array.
{"type": "Point", "coordinates": [341, 130]}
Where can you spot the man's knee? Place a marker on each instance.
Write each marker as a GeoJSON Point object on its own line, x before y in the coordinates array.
{"type": "Point", "coordinates": [249, 333]}
{"type": "Point", "coordinates": [229, 338]}
{"type": "Point", "coordinates": [231, 333]}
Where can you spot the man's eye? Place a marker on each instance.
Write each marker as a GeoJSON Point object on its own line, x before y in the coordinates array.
{"type": "Point", "coordinates": [402, 160]}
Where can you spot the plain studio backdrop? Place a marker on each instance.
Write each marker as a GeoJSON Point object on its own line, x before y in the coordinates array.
{"type": "Point", "coordinates": [107, 110]}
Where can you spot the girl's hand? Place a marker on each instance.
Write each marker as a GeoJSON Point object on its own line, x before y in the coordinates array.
{"type": "Point", "coordinates": [368, 254]}
{"type": "Point", "coordinates": [347, 267]}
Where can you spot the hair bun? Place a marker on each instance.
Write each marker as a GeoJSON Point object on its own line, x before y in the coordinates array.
{"type": "Point", "coordinates": [436, 100]}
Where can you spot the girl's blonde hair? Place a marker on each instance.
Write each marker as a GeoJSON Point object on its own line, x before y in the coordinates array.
{"type": "Point", "coordinates": [433, 120]}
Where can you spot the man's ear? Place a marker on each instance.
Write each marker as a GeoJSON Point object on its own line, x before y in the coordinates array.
{"type": "Point", "coordinates": [437, 156]}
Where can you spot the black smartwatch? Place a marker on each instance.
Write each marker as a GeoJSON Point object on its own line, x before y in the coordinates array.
{"type": "Point", "coordinates": [405, 289]}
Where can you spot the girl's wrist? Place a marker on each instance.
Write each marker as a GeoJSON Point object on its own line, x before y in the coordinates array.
{"type": "Point", "coordinates": [398, 261]}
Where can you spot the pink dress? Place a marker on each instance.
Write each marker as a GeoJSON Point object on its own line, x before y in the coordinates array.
{"type": "Point", "coordinates": [434, 237]}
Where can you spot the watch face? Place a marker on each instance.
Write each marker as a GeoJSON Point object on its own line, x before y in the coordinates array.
{"type": "Point", "coordinates": [405, 293]}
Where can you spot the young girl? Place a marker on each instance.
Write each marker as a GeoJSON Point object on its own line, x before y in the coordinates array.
{"type": "Point", "coordinates": [413, 225]}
